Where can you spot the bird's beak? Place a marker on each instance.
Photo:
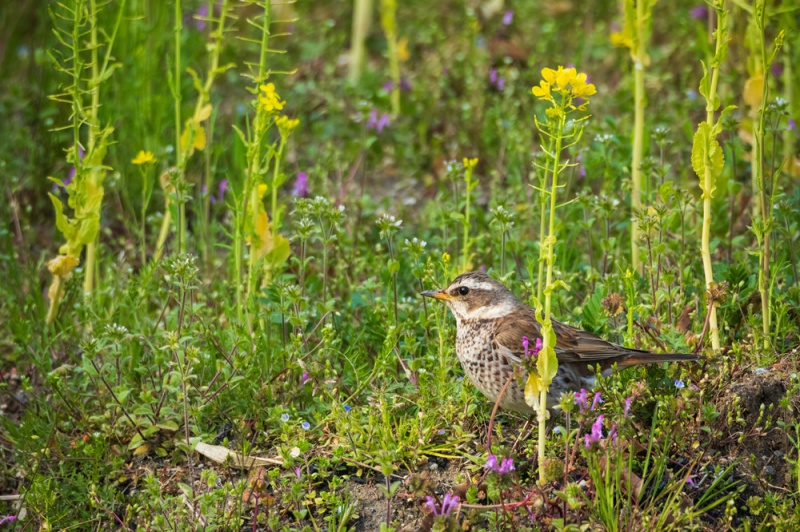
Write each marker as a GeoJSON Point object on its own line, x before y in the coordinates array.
{"type": "Point", "coordinates": [436, 294]}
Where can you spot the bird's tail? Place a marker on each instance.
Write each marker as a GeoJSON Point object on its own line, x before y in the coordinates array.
{"type": "Point", "coordinates": [644, 357]}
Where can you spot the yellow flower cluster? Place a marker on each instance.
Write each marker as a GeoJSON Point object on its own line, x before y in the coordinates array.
{"type": "Point", "coordinates": [269, 99]}
{"type": "Point", "coordinates": [469, 164]}
{"type": "Point", "coordinates": [286, 125]}
{"type": "Point", "coordinates": [567, 81]}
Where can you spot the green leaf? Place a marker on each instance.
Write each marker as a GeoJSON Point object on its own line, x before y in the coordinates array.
{"type": "Point", "coordinates": [705, 83]}
{"type": "Point", "coordinates": [706, 156]}
{"type": "Point", "coordinates": [65, 225]}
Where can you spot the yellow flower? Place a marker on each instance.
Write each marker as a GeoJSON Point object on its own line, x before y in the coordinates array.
{"type": "Point", "coordinates": [582, 89]}
{"type": "Point", "coordinates": [269, 99]}
{"type": "Point", "coordinates": [470, 163]}
{"type": "Point", "coordinates": [143, 157]}
{"type": "Point", "coordinates": [402, 50]}
{"type": "Point", "coordinates": [565, 76]}
{"type": "Point", "coordinates": [446, 257]}
{"type": "Point", "coordinates": [543, 91]}
{"type": "Point", "coordinates": [262, 188]}
{"type": "Point", "coordinates": [286, 124]}
{"type": "Point", "coordinates": [549, 75]}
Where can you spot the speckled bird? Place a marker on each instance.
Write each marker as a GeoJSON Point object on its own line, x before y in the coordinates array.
{"type": "Point", "coordinates": [491, 323]}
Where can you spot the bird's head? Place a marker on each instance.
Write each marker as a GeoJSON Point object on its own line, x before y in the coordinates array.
{"type": "Point", "coordinates": [476, 296]}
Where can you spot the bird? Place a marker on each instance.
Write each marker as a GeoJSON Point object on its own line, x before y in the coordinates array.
{"type": "Point", "coordinates": [490, 325]}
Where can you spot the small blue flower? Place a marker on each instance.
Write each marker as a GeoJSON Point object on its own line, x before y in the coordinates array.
{"type": "Point", "coordinates": [441, 432]}
{"type": "Point", "coordinates": [284, 417]}
{"type": "Point", "coordinates": [306, 425]}
{"type": "Point", "coordinates": [347, 408]}
{"type": "Point", "coordinates": [679, 384]}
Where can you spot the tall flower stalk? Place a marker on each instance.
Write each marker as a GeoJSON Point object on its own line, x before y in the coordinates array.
{"type": "Point", "coordinates": [268, 248]}
{"type": "Point", "coordinates": [389, 23]}
{"type": "Point", "coordinates": [469, 185]}
{"type": "Point", "coordinates": [85, 191]}
{"type": "Point", "coordinates": [707, 156]}
{"type": "Point", "coordinates": [635, 36]}
{"type": "Point", "coordinates": [191, 136]}
{"type": "Point", "coordinates": [563, 89]}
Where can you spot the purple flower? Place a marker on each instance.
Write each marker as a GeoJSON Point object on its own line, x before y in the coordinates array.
{"type": "Point", "coordinates": [793, 127]}
{"type": "Point", "coordinates": [597, 399]}
{"type": "Point", "coordinates": [628, 402]}
{"type": "Point", "coordinates": [306, 425]}
{"type": "Point", "coordinates": [8, 519]}
{"type": "Point", "coordinates": [531, 352]}
{"type": "Point", "coordinates": [581, 168]}
{"type": "Point", "coordinates": [223, 187]}
{"type": "Point", "coordinates": [297, 472]}
{"type": "Point", "coordinates": [679, 384]}
{"type": "Point", "coordinates": [377, 123]}
{"type": "Point", "coordinates": [496, 81]}
{"type": "Point", "coordinates": [305, 378]}
{"type": "Point", "coordinates": [388, 86]}
{"type": "Point", "coordinates": [699, 12]}
{"type": "Point", "coordinates": [613, 433]}
{"type": "Point", "coordinates": [691, 482]}
{"type": "Point", "coordinates": [596, 434]}
{"type": "Point", "coordinates": [347, 408]}
{"type": "Point", "coordinates": [776, 69]}
{"type": "Point", "coordinates": [508, 18]}
{"type": "Point", "coordinates": [200, 16]}
{"type": "Point", "coordinates": [597, 428]}
{"type": "Point", "coordinates": [300, 185]}
{"type": "Point", "coordinates": [450, 502]}
{"type": "Point", "coordinates": [507, 466]}
{"type": "Point", "coordinates": [73, 171]}
{"type": "Point", "coordinates": [405, 85]}
{"type": "Point", "coordinates": [582, 400]}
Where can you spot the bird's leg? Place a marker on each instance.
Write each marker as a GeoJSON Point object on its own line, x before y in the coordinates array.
{"type": "Point", "coordinates": [494, 411]}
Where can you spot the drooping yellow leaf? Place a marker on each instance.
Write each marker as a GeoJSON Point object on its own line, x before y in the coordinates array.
{"type": "Point", "coordinates": [754, 91]}
{"type": "Point", "coordinates": [204, 113]}
{"type": "Point", "coordinates": [547, 362]}
{"type": "Point", "coordinates": [532, 388]}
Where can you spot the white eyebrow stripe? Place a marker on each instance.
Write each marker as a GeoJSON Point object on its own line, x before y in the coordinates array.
{"type": "Point", "coordinates": [496, 311]}
{"type": "Point", "coordinates": [479, 286]}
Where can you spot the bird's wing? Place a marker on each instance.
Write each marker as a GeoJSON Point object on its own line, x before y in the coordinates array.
{"type": "Point", "coordinates": [572, 344]}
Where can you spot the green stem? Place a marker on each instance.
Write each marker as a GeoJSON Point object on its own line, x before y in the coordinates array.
{"type": "Point", "coordinates": [361, 23]}
{"type": "Point", "coordinates": [548, 293]}
{"type": "Point", "coordinates": [638, 123]}
{"type": "Point", "coordinates": [708, 188]}
{"type": "Point", "coordinates": [176, 95]}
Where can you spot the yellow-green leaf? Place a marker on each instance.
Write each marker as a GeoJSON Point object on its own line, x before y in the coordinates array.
{"type": "Point", "coordinates": [532, 388]}
{"type": "Point", "coordinates": [547, 363]}
{"type": "Point", "coordinates": [706, 155]}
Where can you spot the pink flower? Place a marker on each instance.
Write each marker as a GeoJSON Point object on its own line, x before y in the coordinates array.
{"type": "Point", "coordinates": [597, 399]}
{"type": "Point", "coordinates": [450, 502]}
{"type": "Point", "coordinates": [628, 402]}
{"type": "Point", "coordinates": [507, 466]}
{"type": "Point", "coordinates": [582, 400]}
{"type": "Point", "coordinates": [300, 185]}
{"type": "Point", "coordinates": [508, 18]}
{"type": "Point", "coordinates": [491, 463]}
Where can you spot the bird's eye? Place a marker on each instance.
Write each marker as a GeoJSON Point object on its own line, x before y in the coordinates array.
{"type": "Point", "coordinates": [463, 290]}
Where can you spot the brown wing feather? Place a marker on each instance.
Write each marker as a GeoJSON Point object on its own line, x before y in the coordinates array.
{"type": "Point", "coordinates": [573, 344]}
